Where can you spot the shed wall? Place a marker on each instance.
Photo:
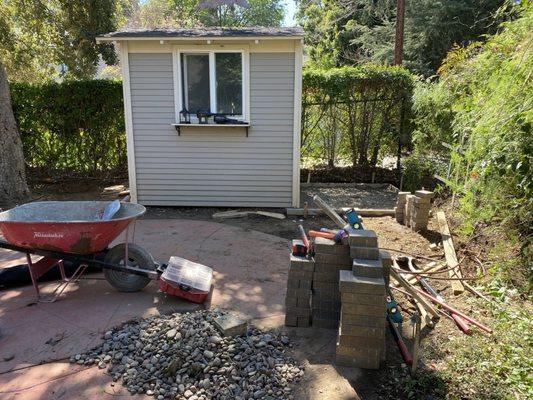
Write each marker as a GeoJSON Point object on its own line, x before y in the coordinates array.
{"type": "Point", "coordinates": [212, 166]}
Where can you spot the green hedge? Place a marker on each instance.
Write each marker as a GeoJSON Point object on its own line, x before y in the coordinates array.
{"type": "Point", "coordinates": [356, 113]}
{"type": "Point", "coordinates": [72, 127]}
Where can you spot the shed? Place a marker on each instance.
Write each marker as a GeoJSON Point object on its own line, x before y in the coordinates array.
{"type": "Point", "coordinates": [246, 83]}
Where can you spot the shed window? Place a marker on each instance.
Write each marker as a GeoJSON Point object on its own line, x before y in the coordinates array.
{"type": "Point", "coordinates": [213, 82]}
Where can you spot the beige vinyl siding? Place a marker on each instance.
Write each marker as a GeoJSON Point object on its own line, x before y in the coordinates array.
{"type": "Point", "coordinates": [210, 166]}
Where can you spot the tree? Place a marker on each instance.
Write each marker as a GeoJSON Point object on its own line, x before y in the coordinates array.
{"type": "Point", "coordinates": [347, 32]}
{"type": "Point", "coordinates": [41, 40]}
{"type": "Point", "coordinates": [190, 13]}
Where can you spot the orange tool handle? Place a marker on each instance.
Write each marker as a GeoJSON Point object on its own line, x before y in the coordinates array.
{"type": "Point", "coordinates": [461, 323]}
{"type": "Point", "coordinates": [455, 311]}
{"type": "Point", "coordinates": [326, 235]}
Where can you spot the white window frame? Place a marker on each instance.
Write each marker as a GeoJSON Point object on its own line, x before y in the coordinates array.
{"type": "Point", "coordinates": [178, 84]}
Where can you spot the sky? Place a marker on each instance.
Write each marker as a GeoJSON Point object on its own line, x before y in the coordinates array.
{"type": "Point", "coordinates": [290, 10]}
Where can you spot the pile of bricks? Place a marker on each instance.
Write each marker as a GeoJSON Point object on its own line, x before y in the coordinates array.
{"type": "Point", "coordinates": [330, 259]}
{"type": "Point", "coordinates": [298, 297]}
{"type": "Point", "coordinates": [412, 210]}
{"type": "Point", "coordinates": [361, 340]}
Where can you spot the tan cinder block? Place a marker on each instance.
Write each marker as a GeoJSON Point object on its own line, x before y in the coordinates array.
{"type": "Point", "coordinates": [298, 311]}
{"type": "Point", "coordinates": [424, 194]}
{"type": "Point", "coordinates": [326, 304]}
{"type": "Point", "coordinates": [363, 238]}
{"type": "Point", "coordinates": [325, 287]}
{"type": "Point", "coordinates": [325, 323]}
{"type": "Point", "coordinates": [366, 351]}
{"type": "Point", "coordinates": [362, 299]}
{"type": "Point", "coordinates": [298, 292]}
{"type": "Point", "coordinates": [368, 268]}
{"type": "Point", "coordinates": [369, 253]}
{"type": "Point", "coordinates": [361, 331]}
{"type": "Point", "coordinates": [304, 322]}
{"type": "Point", "coordinates": [334, 259]}
{"type": "Point", "coordinates": [300, 275]}
{"type": "Point", "coordinates": [350, 309]}
{"type": "Point", "coordinates": [327, 246]}
{"type": "Point", "coordinates": [299, 302]}
{"type": "Point", "coordinates": [331, 277]}
{"type": "Point", "coordinates": [348, 282]}
{"type": "Point", "coordinates": [302, 263]}
{"type": "Point", "coordinates": [326, 314]}
{"type": "Point", "coordinates": [291, 320]}
{"type": "Point", "coordinates": [299, 284]}
{"type": "Point", "coordinates": [373, 321]}
{"type": "Point", "coordinates": [359, 341]}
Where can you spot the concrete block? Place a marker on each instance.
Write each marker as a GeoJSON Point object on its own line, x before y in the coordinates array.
{"type": "Point", "coordinates": [369, 253]}
{"type": "Point", "coordinates": [327, 246]}
{"type": "Point", "coordinates": [349, 309]}
{"type": "Point", "coordinates": [402, 196]}
{"type": "Point", "coordinates": [320, 294]}
{"type": "Point", "coordinates": [359, 341]}
{"type": "Point", "coordinates": [368, 268]}
{"type": "Point", "coordinates": [326, 304]}
{"type": "Point", "coordinates": [357, 362]}
{"type": "Point", "coordinates": [334, 259]}
{"type": "Point", "coordinates": [231, 325]}
{"type": "Point", "coordinates": [367, 352]}
{"type": "Point", "coordinates": [362, 331]}
{"type": "Point", "coordinates": [363, 299]}
{"type": "Point", "coordinates": [326, 287]}
{"type": "Point", "coordinates": [298, 311]}
{"type": "Point", "coordinates": [348, 282]}
{"type": "Point", "coordinates": [304, 322]}
{"type": "Point", "coordinates": [424, 194]}
{"type": "Point", "coordinates": [326, 314]}
{"type": "Point", "coordinates": [300, 284]}
{"type": "Point", "coordinates": [301, 302]}
{"type": "Point", "coordinates": [386, 261]}
{"type": "Point", "coordinates": [301, 275]}
{"type": "Point", "coordinates": [330, 277]}
{"type": "Point", "coordinates": [302, 264]}
{"type": "Point", "coordinates": [325, 323]}
{"type": "Point", "coordinates": [298, 292]}
{"type": "Point", "coordinates": [291, 320]}
{"type": "Point", "coordinates": [363, 238]}
{"type": "Point", "coordinates": [373, 321]}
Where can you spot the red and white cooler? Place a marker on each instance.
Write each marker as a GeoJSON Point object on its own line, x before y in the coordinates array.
{"type": "Point", "coordinates": [186, 279]}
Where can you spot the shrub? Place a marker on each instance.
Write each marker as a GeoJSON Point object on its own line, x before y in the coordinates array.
{"type": "Point", "coordinates": [72, 126]}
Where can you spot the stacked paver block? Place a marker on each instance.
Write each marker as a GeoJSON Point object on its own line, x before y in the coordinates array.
{"type": "Point", "coordinates": [409, 199]}
{"type": "Point", "coordinates": [330, 258]}
{"type": "Point", "coordinates": [419, 214]}
{"type": "Point", "coordinates": [361, 340]}
{"type": "Point", "coordinates": [298, 297]}
{"type": "Point", "coordinates": [399, 210]}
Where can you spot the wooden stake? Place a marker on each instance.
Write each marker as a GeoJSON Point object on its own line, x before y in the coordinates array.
{"type": "Point", "coordinates": [412, 291]}
{"type": "Point", "coordinates": [449, 252]}
{"type": "Point", "coordinates": [416, 341]}
{"type": "Point", "coordinates": [330, 212]}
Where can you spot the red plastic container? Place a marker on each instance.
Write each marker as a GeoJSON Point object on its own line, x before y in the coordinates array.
{"type": "Point", "coordinates": [186, 279]}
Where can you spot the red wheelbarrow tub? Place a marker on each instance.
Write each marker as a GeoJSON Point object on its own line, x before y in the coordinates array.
{"type": "Point", "coordinates": [66, 226]}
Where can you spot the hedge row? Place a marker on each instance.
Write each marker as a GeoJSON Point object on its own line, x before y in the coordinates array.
{"type": "Point", "coordinates": [72, 127]}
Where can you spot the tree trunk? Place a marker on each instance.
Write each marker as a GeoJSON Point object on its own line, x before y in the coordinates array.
{"type": "Point", "coordinates": [13, 187]}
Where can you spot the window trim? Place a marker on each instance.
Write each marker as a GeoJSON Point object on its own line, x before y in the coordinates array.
{"type": "Point", "coordinates": [211, 51]}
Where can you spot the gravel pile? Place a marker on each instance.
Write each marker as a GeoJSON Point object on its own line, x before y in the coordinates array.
{"type": "Point", "coordinates": [183, 356]}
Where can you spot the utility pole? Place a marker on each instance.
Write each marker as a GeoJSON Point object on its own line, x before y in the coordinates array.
{"type": "Point", "coordinates": [398, 43]}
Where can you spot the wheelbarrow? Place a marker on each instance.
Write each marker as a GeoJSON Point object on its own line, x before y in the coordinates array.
{"type": "Point", "coordinates": [78, 231]}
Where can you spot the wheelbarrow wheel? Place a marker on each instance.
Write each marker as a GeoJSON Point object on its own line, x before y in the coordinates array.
{"type": "Point", "coordinates": [137, 258]}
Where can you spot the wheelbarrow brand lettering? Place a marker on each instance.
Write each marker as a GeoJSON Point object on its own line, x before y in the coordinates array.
{"type": "Point", "coordinates": [48, 235]}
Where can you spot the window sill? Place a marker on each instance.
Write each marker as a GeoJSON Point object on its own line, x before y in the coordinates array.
{"type": "Point", "coordinates": [192, 125]}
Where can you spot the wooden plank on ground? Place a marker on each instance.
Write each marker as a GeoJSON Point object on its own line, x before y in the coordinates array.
{"type": "Point", "coordinates": [270, 214]}
{"type": "Point", "coordinates": [363, 212]}
{"type": "Point", "coordinates": [230, 214]}
{"type": "Point", "coordinates": [449, 252]}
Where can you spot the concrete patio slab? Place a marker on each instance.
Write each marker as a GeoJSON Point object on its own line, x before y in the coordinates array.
{"type": "Point", "coordinates": [250, 278]}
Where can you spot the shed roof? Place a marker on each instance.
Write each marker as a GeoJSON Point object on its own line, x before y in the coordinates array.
{"type": "Point", "coordinates": [207, 33]}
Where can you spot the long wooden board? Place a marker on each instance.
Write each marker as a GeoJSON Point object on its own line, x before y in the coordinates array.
{"type": "Point", "coordinates": [363, 212]}
{"type": "Point", "coordinates": [449, 252]}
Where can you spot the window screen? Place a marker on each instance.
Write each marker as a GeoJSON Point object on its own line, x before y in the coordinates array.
{"type": "Point", "coordinates": [228, 71]}
{"type": "Point", "coordinates": [195, 69]}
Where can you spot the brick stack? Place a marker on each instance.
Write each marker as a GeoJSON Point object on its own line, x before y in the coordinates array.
{"type": "Point", "coordinates": [408, 208]}
{"type": "Point", "coordinates": [298, 297]}
{"type": "Point", "coordinates": [330, 258]}
{"type": "Point", "coordinates": [399, 210]}
{"type": "Point", "coordinates": [361, 340]}
{"type": "Point", "coordinates": [419, 214]}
